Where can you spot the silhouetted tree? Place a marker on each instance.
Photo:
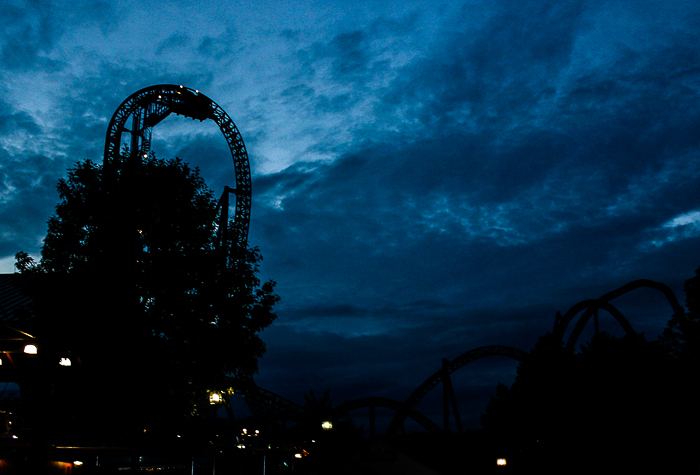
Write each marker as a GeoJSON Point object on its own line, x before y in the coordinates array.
{"type": "Point", "coordinates": [131, 280]}
{"type": "Point", "coordinates": [682, 334]}
{"type": "Point", "coordinates": [620, 403]}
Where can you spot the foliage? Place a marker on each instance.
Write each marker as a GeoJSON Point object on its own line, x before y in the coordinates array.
{"type": "Point", "coordinates": [624, 402]}
{"type": "Point", "coordinates": [682, 335]}
{"type": "Point", "coordinates": [131, 279]}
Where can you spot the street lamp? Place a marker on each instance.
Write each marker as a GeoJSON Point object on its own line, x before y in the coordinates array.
{"type": "Point", "coordinates": [215, 397]}
{"type": "Point", "coordinates": [30, 349]}
{"type": "Point", "coordinates": [327, 425]}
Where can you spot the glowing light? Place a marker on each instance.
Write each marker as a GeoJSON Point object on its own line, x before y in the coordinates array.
{"type": "Point", "coordinates": [77, 462]}
{"type": "Point", "coordinates": [214, 398]}
{"type": "Point", "coordinates": [30, 349]}
{"type": "Point", "coordinates": [64, 362]}
{"type": "Point", "coordinates": [327, 425]}
{"type": "Point", "coordinates": [501, 462]}
{"type": "Point", "coordinates": [297, 456]}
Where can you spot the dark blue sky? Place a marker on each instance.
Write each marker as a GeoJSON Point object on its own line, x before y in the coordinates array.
{"type": "Point", "coordinates": [428, 177]}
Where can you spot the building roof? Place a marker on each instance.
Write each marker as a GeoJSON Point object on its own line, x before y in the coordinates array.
{"type": "Point", "coordinates": [14, 304]}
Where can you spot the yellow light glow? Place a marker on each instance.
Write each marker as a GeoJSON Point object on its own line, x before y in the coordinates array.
{"type": "Point", "coordinates": [327, 425]}
{"type": "Point", "coordinates": [214, 398]}
{"type": "Point", "coordinates": [77, 462]}
{"type": "Point", "coordinates": [30, 349]}
{"type": "Point", "coordinates": [500, 461]}
{"type": "Point", "coordinates": [64, 362]}
{"type": "Point", "coordinates": [297, 456]}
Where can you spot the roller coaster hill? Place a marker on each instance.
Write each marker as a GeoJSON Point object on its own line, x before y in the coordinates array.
{"type": "Point", "coordinates": [271, 412]}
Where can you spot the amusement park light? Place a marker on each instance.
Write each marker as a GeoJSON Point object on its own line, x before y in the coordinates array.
{"type": "Point", "coordinates": [327, 425]}
{"type": "Point", "coordinates": [30, 349]}
{"type": "Point", "coordinates": [214, 397]}
{"type": "Point", "coordinates": [501, 462]}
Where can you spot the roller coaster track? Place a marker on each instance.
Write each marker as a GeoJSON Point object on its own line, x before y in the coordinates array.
{"type": "Point", "coordinates": [591, 307]}
{"type": "Point", "coordinates": [442, 375]}
{"type": "Point", "coordinates": [398, 406]}
{"type": "Point", "coordinates": [150, 106]}
{"type": "Point", "coordinates": [266, 404]}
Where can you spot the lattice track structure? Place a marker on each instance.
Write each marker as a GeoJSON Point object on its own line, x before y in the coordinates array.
{"type": "Point", "coordinates": [591, 307]}
{"type": "Point", "coordinates": [148, 107]}
{"type": "Point", "coordinates": [372, 402]}
{"type": "Point", "coordinates": [443, 376]}
{"type": "Point", "coordinates": [266, 404]}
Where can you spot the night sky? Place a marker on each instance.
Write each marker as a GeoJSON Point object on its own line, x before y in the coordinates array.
{"type": "Point", "coordinates": [428, 177]}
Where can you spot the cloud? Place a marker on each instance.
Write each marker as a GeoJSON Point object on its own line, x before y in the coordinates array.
{"type": "Point", "coordinates": [32, 30]}
{"type": "Point", "coordinates": [173, 43]}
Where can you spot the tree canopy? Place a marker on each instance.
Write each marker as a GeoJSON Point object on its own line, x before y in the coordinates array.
{"type": "Point", "coordinates": [133, 280]}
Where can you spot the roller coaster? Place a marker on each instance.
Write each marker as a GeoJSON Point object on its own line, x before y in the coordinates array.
{"type": "Point", "coordinates": [151, 105]}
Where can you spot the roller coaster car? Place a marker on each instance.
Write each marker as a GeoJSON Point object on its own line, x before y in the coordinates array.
{"type": "Point", "coordinates": [193, 105]}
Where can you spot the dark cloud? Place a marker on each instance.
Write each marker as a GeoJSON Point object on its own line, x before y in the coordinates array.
{"type": "Point", "coordinates": [32, 29]}
{"type": "Point", "coordinates": [216, 47]}
{"type": "Point", "coordinates": [27, 192]}
{"type": "Point", "coordinates": [173, 43]}
{"type": "Point", "coordinates": [12, 121]}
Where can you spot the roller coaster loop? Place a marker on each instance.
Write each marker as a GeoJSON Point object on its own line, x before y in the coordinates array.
{"type": "Point", "coordinates": [150, 106]}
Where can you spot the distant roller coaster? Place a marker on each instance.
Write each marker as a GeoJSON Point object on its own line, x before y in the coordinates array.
{"type": "Point", "coordinates": [561, 322]}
